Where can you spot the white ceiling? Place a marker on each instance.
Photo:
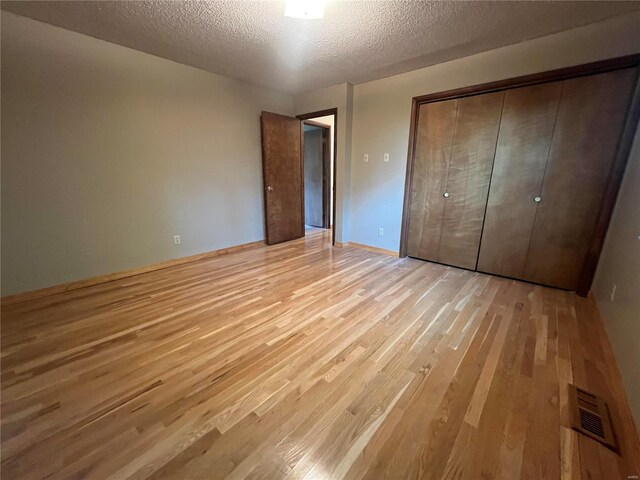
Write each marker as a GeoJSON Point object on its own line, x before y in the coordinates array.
{"type": "Point", "coordinates": [355, 42]}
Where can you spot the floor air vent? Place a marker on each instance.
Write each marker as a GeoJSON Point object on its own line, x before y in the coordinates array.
{"type": "Point", "coordinates": [590, 416]}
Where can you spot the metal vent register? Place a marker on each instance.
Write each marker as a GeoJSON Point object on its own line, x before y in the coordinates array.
{"type": "Point", "coordinates": [590, 416]}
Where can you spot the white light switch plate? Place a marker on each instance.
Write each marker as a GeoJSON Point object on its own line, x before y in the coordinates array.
{"type": "Point", "coordinates": [386, 157]}
{"type": "Point", "coordinates": [366, 157]}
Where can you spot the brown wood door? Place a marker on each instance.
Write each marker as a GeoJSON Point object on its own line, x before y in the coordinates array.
{"type": "Point", "coordinates": [282, 166]}
{"type": "Point", "coordinates": [589, 123]}
{"type": "Point", "coordinates": [526, 131]}
{"type": "Point", "coordinates": [467, 186]}
{"type": "Point", "coordinates": [434, 136]}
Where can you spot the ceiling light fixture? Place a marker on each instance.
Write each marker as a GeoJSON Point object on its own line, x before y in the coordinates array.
{"type": "Point", "coordinates": [309, 9]}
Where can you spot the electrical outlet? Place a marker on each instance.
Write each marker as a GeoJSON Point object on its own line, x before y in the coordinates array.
{"type": "Point", "coordinates": [380, 232]}
{"type": "Point", "coordinates": [613, 292]}
{"type": "Point", "coordinates": [176, 239]}
{"type": "Point", "coordinates": [386, 157]}
{"type": "Point", "coordinates": [366, 158]}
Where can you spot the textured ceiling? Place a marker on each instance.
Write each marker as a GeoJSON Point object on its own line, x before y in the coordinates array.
{"type": "Point", "coordinates": [355, 42]}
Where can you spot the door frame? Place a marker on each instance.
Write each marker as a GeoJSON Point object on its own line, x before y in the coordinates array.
{"type": "Point", "coordinates": [326, 168]}
{"type": "Point", "coordinates": [305, 117]}
{"type": "Point", "coordinates": [622, 151]}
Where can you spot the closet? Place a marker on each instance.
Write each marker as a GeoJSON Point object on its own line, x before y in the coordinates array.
{"type": "Point", "coordinates": [516, 182]}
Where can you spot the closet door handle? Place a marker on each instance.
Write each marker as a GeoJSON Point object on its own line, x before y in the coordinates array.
{"type": "Point", "coordinates": [445, 194]}
{"type": "Point", "coordinates": [537, 199]}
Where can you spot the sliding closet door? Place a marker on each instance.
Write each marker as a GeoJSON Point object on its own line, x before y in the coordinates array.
{"type": "Point", "coordinates": [590, 120]}
{"type": "Point", "coordinates": [434, 135]}
{"type": "Point", "coordinates": [526, 130]}
{"type": "Point", "coordinates": [467, 187]}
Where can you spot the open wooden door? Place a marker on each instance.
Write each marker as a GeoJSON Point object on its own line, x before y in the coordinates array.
{"type": "Point", "coordinates": [282, 166]}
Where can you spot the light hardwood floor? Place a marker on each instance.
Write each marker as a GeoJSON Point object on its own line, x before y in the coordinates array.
{"type": "Point", "coordinates": [305, 361]}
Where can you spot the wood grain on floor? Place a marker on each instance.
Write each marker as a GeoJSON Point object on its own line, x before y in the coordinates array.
{"type": "Point", "coordinates": [305, 361]}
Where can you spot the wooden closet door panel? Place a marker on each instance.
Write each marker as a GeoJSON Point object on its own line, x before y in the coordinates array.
{"type": "Point", "coordinates": [434, 135]}
{"type": "Point", "coordinates": [590, 120]}
{"type": "Point", "coordinates": [474, 145]}
{"type": "Point", "coordinates": [526, 130]}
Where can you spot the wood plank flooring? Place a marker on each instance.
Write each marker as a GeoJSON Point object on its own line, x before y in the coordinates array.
{"type": "Point", "coordinates": [305, 361]}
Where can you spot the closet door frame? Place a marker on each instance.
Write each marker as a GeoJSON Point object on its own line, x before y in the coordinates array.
{"type": "Point", "coordinates": [622, 151]}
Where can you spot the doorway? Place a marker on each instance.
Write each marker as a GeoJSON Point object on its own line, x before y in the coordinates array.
{"type": "Point", "coordinates": [319, 158]}
{"type": "Point", "coordinates": [283, 173]}
{"type": "Point", "coordinates": [317, 174]}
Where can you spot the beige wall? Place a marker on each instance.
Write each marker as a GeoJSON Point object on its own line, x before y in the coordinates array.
{"type": "Point", "coordinates": [620, 265]}
{"type": "Point", "coordinates": [340, 97]}
{"type": "Point", "coordinates": [108, 152]}
{"type": "Point", "coordinates": [381, 111]}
